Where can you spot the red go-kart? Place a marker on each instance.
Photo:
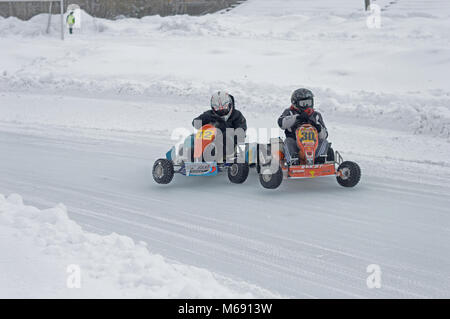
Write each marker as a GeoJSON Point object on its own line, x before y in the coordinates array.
{"type": "Point", "coordinates": [274, 164]}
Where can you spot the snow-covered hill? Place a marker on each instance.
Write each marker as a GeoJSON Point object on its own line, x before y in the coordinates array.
{"type": "Point", "coordinates": [82, 121]}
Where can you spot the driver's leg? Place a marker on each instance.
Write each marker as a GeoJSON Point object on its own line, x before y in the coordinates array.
{"type": "Point", "coordinates": [292, 147]}
{"type": "Point", "coordinates": [187, 151]}
{"type": "Point", "coordinates": [322, 148]}
{"type": "Point", "coordinates": [229, 146]}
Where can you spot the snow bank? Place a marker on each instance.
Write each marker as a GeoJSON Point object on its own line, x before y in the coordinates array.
{"type": "Point", "coordinates": [111, 266]}
{"type": "Point", "coordinates": [424, 112]}
{"type": "Point", "coordinates": [36, 26]}
{"type": "Point", "coordinates": [342, 7]}
{"type": "Point", "coordinates": [289, 7]}
{"type": "Point", "coordinates": [302, 21]}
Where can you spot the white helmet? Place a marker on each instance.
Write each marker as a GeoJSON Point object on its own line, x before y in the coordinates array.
{"type": "Point", "coordinates": [222, 104]}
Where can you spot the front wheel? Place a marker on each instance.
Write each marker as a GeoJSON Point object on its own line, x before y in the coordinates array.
{"type": "Point", "coordinates": [163, 171]}
{"type": "Point", "coordinates": [270, 180]}
{"type": "Point", "coordinates": [349, 174]}
{"type": "Point", "coordinates": [238, 173]}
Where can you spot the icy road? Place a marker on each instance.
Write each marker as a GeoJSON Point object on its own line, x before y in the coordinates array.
{"type": "Point", "coordinates": [310, 238]}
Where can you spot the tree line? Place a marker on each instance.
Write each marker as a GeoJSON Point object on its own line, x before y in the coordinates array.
{"type": "Point", "coordinates": [111, 9]}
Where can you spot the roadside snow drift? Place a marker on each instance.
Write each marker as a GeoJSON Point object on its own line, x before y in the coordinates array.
{"type": "Point", "coordinates": [40, 249]}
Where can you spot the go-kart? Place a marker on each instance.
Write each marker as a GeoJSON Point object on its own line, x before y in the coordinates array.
{"type": "Point", "coordinates": [276, 163]}
{"type": "Point", "coordinates": [182, 160]}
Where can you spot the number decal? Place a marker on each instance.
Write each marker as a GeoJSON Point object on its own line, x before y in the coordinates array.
{"type": "Point", "coordinates": [206, 135]}
{"type": "Point", "coordinates": [307, 136]}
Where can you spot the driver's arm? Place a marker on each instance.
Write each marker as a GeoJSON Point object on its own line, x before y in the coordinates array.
{"type": "Point", "coordinates": [318, 122]}
{"type": "Point", "coordinates": [286, 120]}
{"type": "Point", "coordinates": [203, 119]}
{"type": "Point", "coordinates": [240, 122]}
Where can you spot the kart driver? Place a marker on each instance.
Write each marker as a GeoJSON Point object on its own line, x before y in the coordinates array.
{"type": "Point", "coordinates": [223, 115]}
{"type": "Point", "coordinates": [301, 112]}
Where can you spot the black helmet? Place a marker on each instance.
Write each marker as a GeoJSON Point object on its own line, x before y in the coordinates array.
{"type": "Point", "coordinates": [302, 99]}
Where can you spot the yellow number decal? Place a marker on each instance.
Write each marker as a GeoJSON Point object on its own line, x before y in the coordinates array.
{"type": "Point", "coordinates": [206, 135]}
{"type": "Point", "coordinates": [306, 136]}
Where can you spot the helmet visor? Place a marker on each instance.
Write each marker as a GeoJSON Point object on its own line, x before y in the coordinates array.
{"type": "Point", "coordinates": [305, 103]}
{"type": "Point", "coordinates": [221, 109]}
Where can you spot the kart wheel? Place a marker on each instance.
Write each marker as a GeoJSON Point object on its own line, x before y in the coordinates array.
{"type": "Point", "coordinates": [349, 174]}
{"type": "Point", "coordinates": [163, 171]}
{"type": "Point", "coordinates": [270, 180]}
{"type": "Point", "coordinates": [238, 173]}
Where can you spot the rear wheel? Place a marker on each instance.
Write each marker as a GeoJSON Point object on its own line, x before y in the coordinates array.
{"type": "Point", "coordinates": [238, 173]}
{"type": "Point", "coordinates": [270, 180]}
{"type": "Point", "coordinates": [163, 171]}
{"type": "Point", "coordinates": [349, 174]}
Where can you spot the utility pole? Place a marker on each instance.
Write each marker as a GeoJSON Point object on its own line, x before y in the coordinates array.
{"type": "Point", "coordinates": [62, 19]}
{"type": "Point", "coordinates": [50, 5]}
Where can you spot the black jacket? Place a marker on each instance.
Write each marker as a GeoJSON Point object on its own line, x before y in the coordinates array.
{"type": "Point", "coordinates": [236, 120]}
{"type": "Point", "coordinates": [288, 122]}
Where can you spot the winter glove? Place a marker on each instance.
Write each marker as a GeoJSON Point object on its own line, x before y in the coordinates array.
{"type": "Point", "coordinates": [302, 118]}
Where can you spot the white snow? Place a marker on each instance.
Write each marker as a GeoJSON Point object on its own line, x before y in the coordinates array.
{"type": "Point", "coordinates": [81, 122]}
{"type": "Point", "coordinates": [425, 8]}
{"type": "Point", "coordinates": [397, 73]}
{"type": "Point", "coordinates": [39, 247]}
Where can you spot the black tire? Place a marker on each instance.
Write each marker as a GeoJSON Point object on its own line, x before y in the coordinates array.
{"type": "Point", "coordinates": [271, 181]}
{"type": "Point", "coordinates": [238, 173]}
{"type": "Point", "coordinates": [351, 174]}
{"type": "Point", "coordinates": [163, 171]}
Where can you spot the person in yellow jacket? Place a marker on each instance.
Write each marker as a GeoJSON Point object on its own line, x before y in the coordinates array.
{"type": "Point", "coordinates": [70, 21]}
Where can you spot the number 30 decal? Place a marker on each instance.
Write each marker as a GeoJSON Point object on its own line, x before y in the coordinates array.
{"type": "Point", "coordinates": [306, 136]}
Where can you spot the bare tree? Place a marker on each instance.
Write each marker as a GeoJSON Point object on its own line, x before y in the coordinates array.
{"type": "Point", "coordinates": [130, 8]}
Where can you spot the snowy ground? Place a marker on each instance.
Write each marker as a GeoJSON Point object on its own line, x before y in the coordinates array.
{"type": "Point", "coordinates": [47, 255]}
{"type": "Point", "coordinates": [81, 122]}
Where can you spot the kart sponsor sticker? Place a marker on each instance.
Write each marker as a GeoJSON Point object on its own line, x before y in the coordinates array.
{"type": "Point", "coordinates": [200, 168]}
